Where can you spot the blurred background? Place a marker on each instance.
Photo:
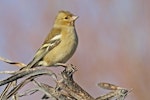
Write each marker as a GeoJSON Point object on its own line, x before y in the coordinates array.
{"type": "Point", "coordinates": [114, 40]}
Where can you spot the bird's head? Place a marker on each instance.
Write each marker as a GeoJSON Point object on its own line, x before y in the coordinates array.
{"type": "Point", "coordinates": [65, 18]}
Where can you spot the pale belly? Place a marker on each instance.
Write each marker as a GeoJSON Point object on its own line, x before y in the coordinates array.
{"type": "Point", "coordinates": [63, 52]}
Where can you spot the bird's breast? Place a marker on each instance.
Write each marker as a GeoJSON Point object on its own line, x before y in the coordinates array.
{"type": "Point", "coordinates": [66, 48]}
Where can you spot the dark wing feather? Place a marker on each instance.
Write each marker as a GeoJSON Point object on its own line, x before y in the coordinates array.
{"type": "Point", "coordinates": [48, 45]}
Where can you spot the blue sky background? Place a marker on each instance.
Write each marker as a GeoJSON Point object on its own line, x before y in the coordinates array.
{"type": "Point", "coordinates": [114, 40]}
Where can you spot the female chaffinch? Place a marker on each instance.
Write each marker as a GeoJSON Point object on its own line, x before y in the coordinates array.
{"type": "Point", "coordinates": [60, 44]}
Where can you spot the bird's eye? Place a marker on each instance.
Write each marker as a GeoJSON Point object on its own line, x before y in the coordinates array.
{"type": "Point", "coordinates": [66, 17]}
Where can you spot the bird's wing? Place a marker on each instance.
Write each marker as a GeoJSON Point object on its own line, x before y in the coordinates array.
{"type": "Point", "coordinates": [50, 42]}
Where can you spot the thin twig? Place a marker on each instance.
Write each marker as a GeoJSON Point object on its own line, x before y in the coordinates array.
{"type": "Point", "coordinates": [29, 92]}
{"type": "Point", "coordinates": [8, 72]}
{"type": "Point", "coordinates": [18, 64]}
{"type": "Point", "coordinates": [27, 73]}
{"type": "Point", "coordinates": [19, 86]}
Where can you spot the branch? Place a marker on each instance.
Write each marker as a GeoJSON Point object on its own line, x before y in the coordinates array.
{"type": "Point", "coordinates": [66, 88]}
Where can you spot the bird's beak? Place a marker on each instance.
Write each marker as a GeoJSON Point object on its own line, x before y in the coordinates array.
{"type": "Point", "coordinates": [74, 17]}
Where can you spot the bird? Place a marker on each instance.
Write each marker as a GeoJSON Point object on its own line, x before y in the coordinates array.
{"type": "Point", "coordinates": [58, 47]}
{"type": "Point", "coordinates": [60, 44]}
